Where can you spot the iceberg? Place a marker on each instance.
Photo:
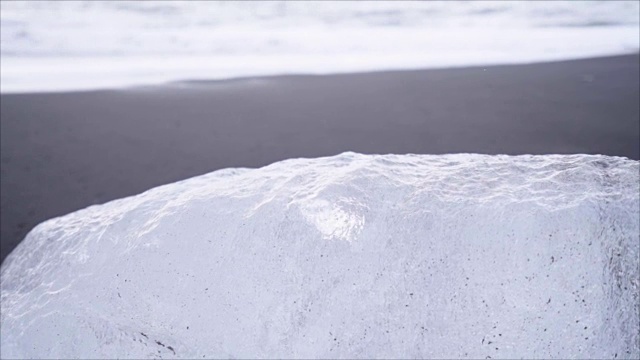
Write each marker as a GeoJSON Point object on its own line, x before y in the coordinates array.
{"type": "Point", "coordinates": [350, 256]}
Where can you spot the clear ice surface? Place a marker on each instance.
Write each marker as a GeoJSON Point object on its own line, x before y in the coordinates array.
{"type": "Point", "coordinates": [351, 256]}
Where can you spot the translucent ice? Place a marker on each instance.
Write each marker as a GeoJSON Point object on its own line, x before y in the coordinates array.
{"type": "Point", "coordinates": [352, 256]}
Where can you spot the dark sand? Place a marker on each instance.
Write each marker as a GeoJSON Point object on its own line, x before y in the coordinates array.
{"type": "Point", "coordinates": [65, 151]}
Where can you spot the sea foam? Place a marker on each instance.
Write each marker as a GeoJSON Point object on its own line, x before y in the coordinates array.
{"type": "Point", "coordinates": [58, 46]}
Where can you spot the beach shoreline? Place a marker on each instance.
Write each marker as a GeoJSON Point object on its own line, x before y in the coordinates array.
{"type": "Point", "coordinates": [61, 152]}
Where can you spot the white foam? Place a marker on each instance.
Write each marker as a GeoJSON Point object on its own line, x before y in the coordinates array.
{"type": "Point", "coordinates": [62, 46]}
{"type": "Point", "coordinates": [352, 256]}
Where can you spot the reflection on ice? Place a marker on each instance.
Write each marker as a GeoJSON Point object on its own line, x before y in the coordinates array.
{"type": "Point", "coordinates": [333, 220]}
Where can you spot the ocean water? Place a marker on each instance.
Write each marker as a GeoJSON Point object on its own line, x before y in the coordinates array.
{"type": "Point", "coordinates": [350, 256]}
{"type": "Point", "coordinates": [93, 44]}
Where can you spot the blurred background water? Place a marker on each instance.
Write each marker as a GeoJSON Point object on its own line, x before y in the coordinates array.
{"type": "Point", "coordinates": [51, 45]}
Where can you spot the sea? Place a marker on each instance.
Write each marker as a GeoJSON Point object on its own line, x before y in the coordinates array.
{"type": "Point", "coordinates": [83, 45]}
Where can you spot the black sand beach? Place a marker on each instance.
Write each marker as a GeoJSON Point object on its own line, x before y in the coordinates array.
{"type": "Point", "coordinates": [64, 151]}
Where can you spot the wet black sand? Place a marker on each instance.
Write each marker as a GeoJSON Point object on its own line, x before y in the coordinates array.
{"type": "Point", "coordinates": [64, 151]}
